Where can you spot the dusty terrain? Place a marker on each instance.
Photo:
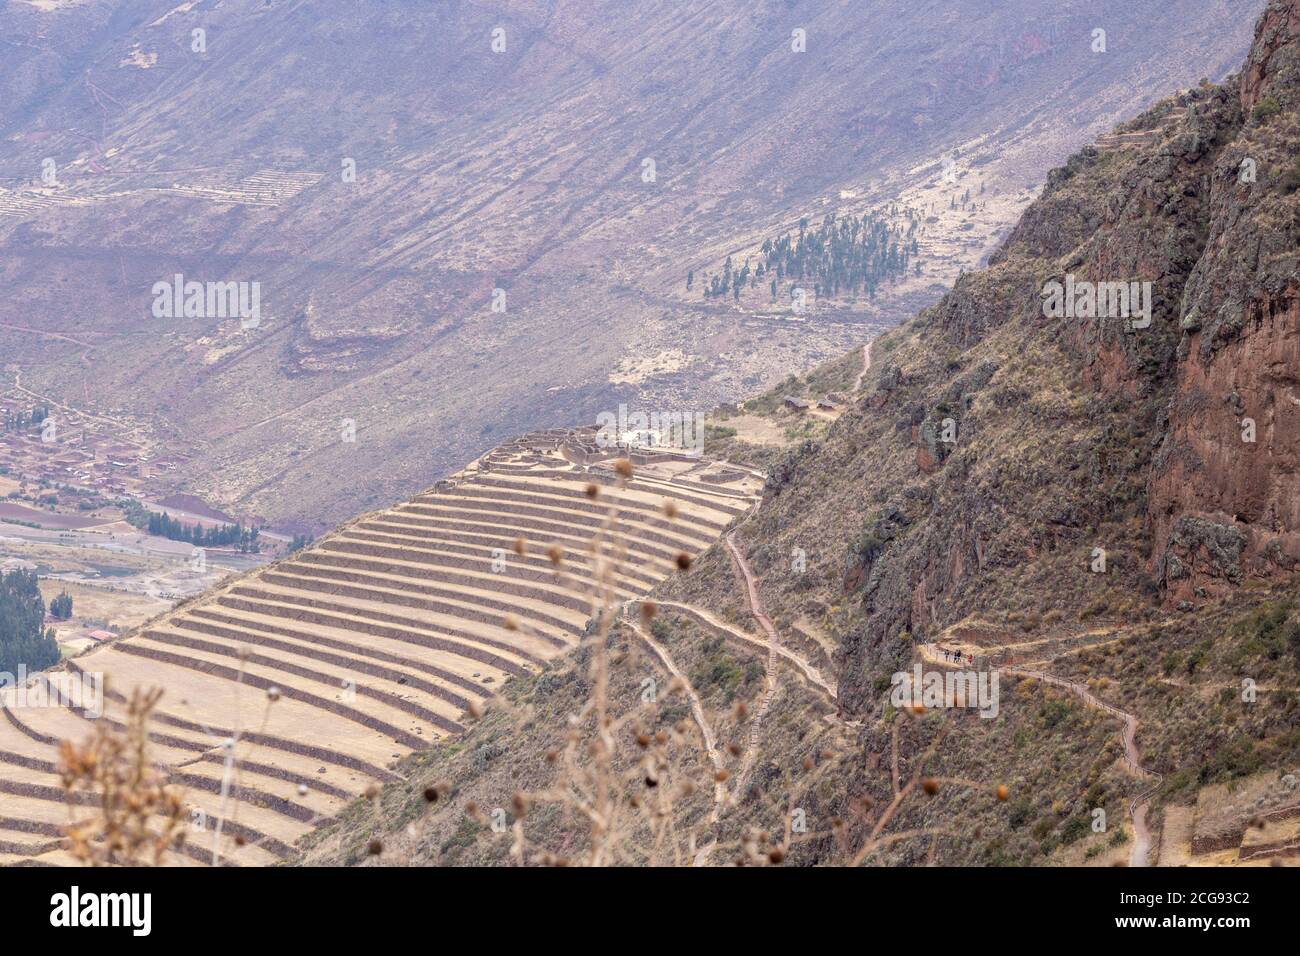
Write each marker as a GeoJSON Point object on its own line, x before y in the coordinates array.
{"type": "Point", "coordinates": [522, 171]}
{"type": "Point", "coordinates": [378, 641]}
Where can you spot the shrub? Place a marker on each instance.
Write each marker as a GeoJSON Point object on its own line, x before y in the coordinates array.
{"type": "Point", "coordinates": [1266, 109]}
{"type": "Point", "coordinates": [1075, 828]}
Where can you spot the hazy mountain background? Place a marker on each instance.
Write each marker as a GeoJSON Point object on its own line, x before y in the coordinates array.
{"type": "Point", "coordinates": [521, 170]}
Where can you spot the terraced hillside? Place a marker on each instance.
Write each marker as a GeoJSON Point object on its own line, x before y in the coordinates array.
{"type": "Point", "coordinates": [374, 642]}
{"type": "Point", "coordinates": [380, 171]}
{"type": "Point", "coordinates": [1102, 530]}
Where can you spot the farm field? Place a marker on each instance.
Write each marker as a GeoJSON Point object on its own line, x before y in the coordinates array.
{"type": "Point", "coordinates": [377, 640]}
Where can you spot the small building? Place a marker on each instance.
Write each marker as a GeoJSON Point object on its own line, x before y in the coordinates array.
{"type": "Point", "coordinates": [798, 404]}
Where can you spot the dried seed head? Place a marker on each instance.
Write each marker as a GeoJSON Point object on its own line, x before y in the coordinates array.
{"type": "Point", "coordinates": [623, 467]}
{"type": "Point", "coordinates": [521, 547]}
{"type": "Point", "coordinates": [555, 554]}
{"type": "Point", "coordinates": [519, 803]}
{"type": "Point", "coordinates": [721, 776]}
{"type": "Point", "coordinates": [733, 749]}
{"type": "Point", "coordinates": [808, 763]}
{"type": "Point", "coordinates": [742, 710]}
{"type": "Point", "coordinates": [648, 610]}
{"type": "Point", "coordinates": [593, 491]}
{"type": "Point", "coordinates": [670, 509]}
{"type": "Point", "coordinates": [552, 756]}
{"type": "Point", "coordinates": [1002, 791]}
{"type": "Point", "coordinates": [375, 847]}
{"type": "Point", "coordinates": [683, 561]}
{"type": "Point", "coordinates": [372, 791]}
{"type": "Point", "coordinates": [643, 740]}
{"type": "Point", "coordinates": [930, 786]}
{"type": "Point", "coordinates": [510, 622]}
{"type": "Point", "coordinates": [651, 782]}
{"type": "Point", "coordinates": [273, 694]}
{"type": "Point", "coordinates": [777, 855]}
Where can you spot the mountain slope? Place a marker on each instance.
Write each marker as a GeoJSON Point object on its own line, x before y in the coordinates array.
{"type": "Point", "coordinates": [1061, 496]}
{"type": "Point", "coordinates": [522, 171]}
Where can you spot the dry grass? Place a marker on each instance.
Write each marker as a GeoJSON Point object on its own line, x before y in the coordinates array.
{"type": "Point", "coordinates": [137, 818]}
{"type": "Point", "coordinates": [626, 785]}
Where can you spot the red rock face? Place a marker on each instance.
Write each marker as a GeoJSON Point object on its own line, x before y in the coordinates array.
{"type": "Point", "coordinates": [1209, 470]}
{"type": "Point", "coordinates": [1279, 27]}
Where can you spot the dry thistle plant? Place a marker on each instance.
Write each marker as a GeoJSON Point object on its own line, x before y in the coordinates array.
{"type": "Point", "coordinates": [137, 817]}
{"type": "Point", "coordinates": [619, 779]}
{"type": "Point", "coordinates": [623, 785]}
{"type": "Point", "coordinates": [873, 821]}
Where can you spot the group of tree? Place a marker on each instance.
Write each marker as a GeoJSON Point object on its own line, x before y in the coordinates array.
{"type": "Point", "coordinates": [61, 607]}
{"type": "Point", "coordinates": [213, 536]}
{"type": "Point", "coordinates": [24, 638]}
{"type": "Point", "coordinates": [851, 255]}
{"type": "Point", "coordinates": [21, 420]}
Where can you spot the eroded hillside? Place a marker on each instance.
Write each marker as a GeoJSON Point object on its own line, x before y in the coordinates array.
{"type": "Point", "coordinates": [294, 689]}
{"type": "Point", "coordinates": [380, 171]}
{"type": "Point", "coordinates": [1097, 505]}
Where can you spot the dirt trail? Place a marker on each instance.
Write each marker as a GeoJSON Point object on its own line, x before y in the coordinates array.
{"type": "Point", "coordinates": [866, 365]}
{"type": "Point", "coordinates": [1138, 806]}
{"type": "Point", "coordinates": [697, 708]}
{"type": "Point", "coordinates": [773, 645]}
{"type": "Point", "coordinates": [810, 673]}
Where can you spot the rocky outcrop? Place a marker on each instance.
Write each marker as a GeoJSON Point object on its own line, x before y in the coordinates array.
{"type": "Point", "coordinates": [1274, 58]}
{"type": "Point", "coordinates": [1167, 434]}
{"type": "Point", "coordinates": [1226, 472]}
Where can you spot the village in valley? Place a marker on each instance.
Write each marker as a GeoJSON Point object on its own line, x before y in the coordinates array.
{"type": "Point", "coordinates": [89, 501]}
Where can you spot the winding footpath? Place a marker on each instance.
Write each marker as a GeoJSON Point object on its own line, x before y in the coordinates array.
{"type": "Point", "coordinates": [773, 643]}
{"type": "Point", "coordinates": [1138, 806]}
{"type": "Point", "coordinates": [716, 624]}
{"type": "Point", "coordinates": [866, 365]}
{"type": "Point", "coordinates": [697, 709]}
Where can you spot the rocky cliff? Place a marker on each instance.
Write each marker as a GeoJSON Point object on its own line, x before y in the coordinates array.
{"type": "Point", "coordinates": [1083, 458]}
